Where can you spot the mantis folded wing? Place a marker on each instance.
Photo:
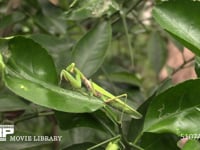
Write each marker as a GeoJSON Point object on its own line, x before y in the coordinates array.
{"type": "Point", "coordinates": [76, 78]}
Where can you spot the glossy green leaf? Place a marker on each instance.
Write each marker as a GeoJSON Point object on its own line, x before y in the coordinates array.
{"type": "Point", "coordinates": [49, 18]}
{"type": "Point", "coordinates": [180, 18]}
{"type": "Point", "coordinates": [166, 84]}
{"type": "Point", "coordinates": [29, 59]}
{"type": "Point", "coordinates": [51, 43]}
{"type": "Point", "coordinates": [136, 125]}
{"type": "Point", "coordinates": [30, 73]}
{"type": "Point", "coordinates": [24, 145]}
{"type": "Point", "coordinates": [192, 144]}
{"type": "Point", "coordinates": [151, 141]}
{"type": "Point", "coordinates": [57, 47]}
{"type": "Point", "coordinates": [50, 25]}
{"type": "Point", "coordinates": [197, 66]}
{"type": "Point", "coordinates": [82, 9]}
{"type": "Point", "coordinates": [176, 110]}
{"type": "Point", "coordinates": [90, 51]}
{"type": "Point", "coordinates": [79, 135]}
{"type": "Point", "coordinates": [8, 20]}
{"type": "Point", "coordinates": [125, 77]}
{"type": "Point", "coordinates": [157, 52]}
{"type": "Point", "coordinates": [77, 120]}
{"type": "Point", "coordinates": [82, 146]}
{"type": "Point", "coordinates": [10, 102]}
{"type": "Point", "coordinates": [52, 96]}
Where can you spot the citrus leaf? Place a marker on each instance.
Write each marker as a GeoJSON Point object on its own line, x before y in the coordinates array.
{"type": "Point", "coordinates": [30, 73]}
{"type": "Point", "coordinates": [176, 110]}
{"type": "Point", "coordinates": [72, 137]}
{"type": "Point", "coordinates": [77, 120]}
{"type": "Point", "coordinates": [157, 52]}
{"type": "Point", "coordinates": [90, 51]}
{"type": "Point", "coordinates": [57, 47]}
{"type": "Point", "coordinates": [23, 145]}
{"type": "Point", "coordinates": [125, 77]}
{"type": "Point", "coordinates": [152, 141]}
{"type": "Point", "coordinates": [85, 145]}
{"type": "Point", "coordinates": [49, 18]}
{"type": "Point", "coordinates": [52, 96]}
{"type": "Point", "coordinates": [182, 22]}
{"type": "Point", "coordinates": [83, 9]}
{"type": "Point", "coordinates": [30, 60]}
{"type": "Point", "coordinates": [10, 102]}
{"type": "Point", "coordinates": [8, 20]}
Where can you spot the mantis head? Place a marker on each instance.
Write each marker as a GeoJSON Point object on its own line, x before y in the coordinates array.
{"type": "Point", "coordinates": [71, 67]}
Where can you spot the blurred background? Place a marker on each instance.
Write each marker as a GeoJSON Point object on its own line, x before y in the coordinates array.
{"type": "Point", "coordinates": [141, 57]}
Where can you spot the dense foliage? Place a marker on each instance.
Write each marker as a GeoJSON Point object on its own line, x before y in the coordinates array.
{"type": "Point", "coordinates": [122, 48]}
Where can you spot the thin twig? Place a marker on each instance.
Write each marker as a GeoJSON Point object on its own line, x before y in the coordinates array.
{"type": "Point", "coordinates": [182, 66]}
{"type": "Point", "coordinates": [139, 21]}
{"type": "Point", "coordinates": [34, 115]}
{"type": "Point", "coordinates": [133, 6]}
{"type": "Point", "coordinates": [130, 48]}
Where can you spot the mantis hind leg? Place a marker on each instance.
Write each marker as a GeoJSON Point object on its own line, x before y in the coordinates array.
{"type": "Point", "coordinates": [113, 100]}
{"type": "Point", "coordinates": [116, 97]}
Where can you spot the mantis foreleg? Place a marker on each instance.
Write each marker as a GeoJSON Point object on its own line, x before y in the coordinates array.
{"type": "Point", "coordinates": [74, 81]}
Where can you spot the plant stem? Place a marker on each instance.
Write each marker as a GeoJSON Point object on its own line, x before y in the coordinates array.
{"type": "Point", "coordinates": [106, 126]}
{"type": "Point", "coordinates": [127, 37]}
{"type": "Point", "coordinates": [133, 6]}
{"type": "Point", "coordinates": [104, 142]}
{"type": "Point", "coordinates": [135, 146]}
{"type": "Point", "coordinates": [34, 115]}
{"type": "Point", "coordinates": [182, 65]}
{"type": "Point", "coordinates": [130, 144]}
{"type": "Point", "coordinates": [137, 138]}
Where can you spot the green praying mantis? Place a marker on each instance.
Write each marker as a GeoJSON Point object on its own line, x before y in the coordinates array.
{"type": "Point", "coordinates": [76, 78]}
